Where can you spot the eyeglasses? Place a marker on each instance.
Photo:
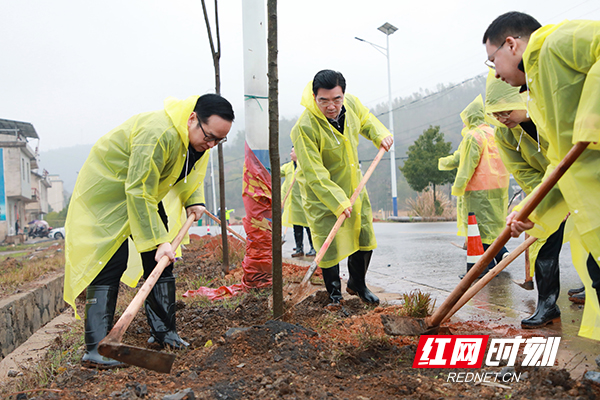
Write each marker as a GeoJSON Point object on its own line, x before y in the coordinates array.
{"type": "Point", "coordinates": [491, 63]}
{"type": "Point", "coordinates": [211, 138]}
{"type": "Point", "coordinates": [326, 103]}
{"type": "Point", "coordinates": [503, 114]}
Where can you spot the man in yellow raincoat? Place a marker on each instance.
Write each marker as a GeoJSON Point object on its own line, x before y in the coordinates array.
{"type": "Point", "coordinates": [153, 158]}
{"type": "Point", "coordinates": [559, 65]}
{"type": "Point", "coordinates": [481, 182]}
{"type": "Point", "coordinates": [293, 212]}
{"type": "Point", "coordinates": [523, 152]}
{"type": "Point", "coordinates": [325, 139]}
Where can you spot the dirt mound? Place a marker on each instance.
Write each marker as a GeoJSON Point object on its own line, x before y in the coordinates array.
{"type": "Point", "coordinates": [237, 351]}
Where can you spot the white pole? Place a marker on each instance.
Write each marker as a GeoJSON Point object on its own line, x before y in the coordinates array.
{"type": "Point", "coordinates": [391, 128]}
{"type": "Point", "coordinates": [255, 78]}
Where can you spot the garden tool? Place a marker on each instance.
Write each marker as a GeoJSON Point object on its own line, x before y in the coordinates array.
{"type": "Point", "coordinates": [473, 290]}
{"type": "Point", "coordinates": [218, 221]}
{"type": "Point", "coordinates": [296, 295]}
{"type": "Point", "coordinates": [527, 284]}
{"type": "Point", "coordinates": [111, 345]}
{"type": "Point", "coordinates": [431, 324]}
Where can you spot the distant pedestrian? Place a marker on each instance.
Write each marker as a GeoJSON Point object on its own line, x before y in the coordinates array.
{"type": "Point", "coordinates": [294, 213]}
{"type": "Point", "coordinates": [481, 182]}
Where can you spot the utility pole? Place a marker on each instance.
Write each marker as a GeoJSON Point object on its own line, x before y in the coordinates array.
{"type": "Point", "coordinates": [389, 29]}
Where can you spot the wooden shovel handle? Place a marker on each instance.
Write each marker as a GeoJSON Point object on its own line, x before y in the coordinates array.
{"type": "Point", "coordinates": [473, 290]}
{"type": "Point", "coordinates": [116, 334]}
{"type": "Point", "coordinates": [342, 217]}
{"type": "Point", "coordinates": [501, 240]}
{"type": "Point", "coordinates": [218, 221]}
{"type": "Point", "coordinates": [528, 276]}
{"type": "Point", "coordinates": [355, 195]}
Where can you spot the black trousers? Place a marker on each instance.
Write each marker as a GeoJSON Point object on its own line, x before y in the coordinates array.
{"type": "Point", "coordinates": [299, 236]}
{"type": "Point", "coordinates": [594, 271]}
{"type": "Point", "coordinates": [359, 257]}
{"type": "Point", "coordinates": [551, 249]}
{"type": "Point", "coordinates": [113, 270]}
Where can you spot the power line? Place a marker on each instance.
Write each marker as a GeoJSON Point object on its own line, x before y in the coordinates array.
{"type": "Point", "coordinates": [445, 90]}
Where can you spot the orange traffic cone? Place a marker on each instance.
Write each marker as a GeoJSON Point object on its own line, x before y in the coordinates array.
{"type": "Point", "coordinates": [474, 245]}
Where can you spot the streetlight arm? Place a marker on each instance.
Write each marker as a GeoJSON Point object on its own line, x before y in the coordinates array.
{"type": "Point", "coordinates": [376, 46]}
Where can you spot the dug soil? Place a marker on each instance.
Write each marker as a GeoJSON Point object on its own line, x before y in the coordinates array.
{"type": "Point", "coordinates": [237, 351]}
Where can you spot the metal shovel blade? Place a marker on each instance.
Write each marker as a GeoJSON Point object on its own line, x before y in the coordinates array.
{"type": "Point", "coordinates": [527, 285]}
{"type": "Point", "coordinates": [396, 325]}
{"type": "Point", "coordinates": [138, 356]}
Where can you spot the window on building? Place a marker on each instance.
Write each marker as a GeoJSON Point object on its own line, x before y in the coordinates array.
{"type": "Point", "coordinates": [28, 172]}
{"type": "Point", "coordinates": [23, 168]}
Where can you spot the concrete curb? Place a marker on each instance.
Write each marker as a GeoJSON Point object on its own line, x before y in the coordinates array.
{"type": "Point", "coordinates": [21, 315]}
{"type": "Point", "coordinates": [420, 219]}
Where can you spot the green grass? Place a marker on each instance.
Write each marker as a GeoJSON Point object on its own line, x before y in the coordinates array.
{"type": "Point", "coordinates": [416, 304]}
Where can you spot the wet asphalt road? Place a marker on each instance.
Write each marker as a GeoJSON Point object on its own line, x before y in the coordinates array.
{"type": "Point", "coordinates": [421, 256]}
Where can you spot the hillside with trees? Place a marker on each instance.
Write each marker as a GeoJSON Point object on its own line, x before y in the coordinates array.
{"type": "Point", "coordinates": [412, 116]}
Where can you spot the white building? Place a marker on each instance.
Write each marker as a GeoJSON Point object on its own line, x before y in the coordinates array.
{"type": "Point", "coordinates": [17, 162]}
{"type": "Point", "coordinates": [56, 197]}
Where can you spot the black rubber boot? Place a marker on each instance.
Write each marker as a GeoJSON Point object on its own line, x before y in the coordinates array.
{"type": "Point", "coordinates": [331, 276]}
{"type": "Point", "coordinates": [547, 278]}
{"type": "Point", "coordinates": [299, 239]}
{"type": "Point", "coordinates": [100, 306]}
{"type": "Point", "coordinates": [160, 311]}
{"type": "Point", "coordinates": [358, 264]}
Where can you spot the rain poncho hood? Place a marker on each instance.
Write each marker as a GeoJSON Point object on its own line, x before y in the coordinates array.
{"type": "Point", "coordinates": [481, 183]}
{"type": "Point", "coordinates": [330, 173]}
{"type": "Point", "coordinates": [293, 212]}
{"type": "Point", "coordinates": [563, 76]}
{"type": "Point", "coordinates": [472, 116]}
{"type": "Point", "coordinates": [127, 173]}
{"type": "Point", "coordinates": [519, 151]}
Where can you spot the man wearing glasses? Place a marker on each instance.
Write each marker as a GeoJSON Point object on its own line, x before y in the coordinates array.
{"type": "Point", "coordinates": [523, 152]}
{"type": "Point", "coordinates": [558, 64]}
{"type": "Point", "coordinates": [151, 166]}
{"type": "Point", "coordinates": [325, 139]}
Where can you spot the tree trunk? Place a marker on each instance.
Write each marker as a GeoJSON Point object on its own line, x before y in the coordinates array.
{"type": "Point", "coordinates": [274, 158]}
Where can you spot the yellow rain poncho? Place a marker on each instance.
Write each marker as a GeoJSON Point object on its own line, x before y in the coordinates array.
{"type": "Point", "coordinates": [523, 156]}
{"type": "Point", "coordinates": [563, 75]}
{"type": "Point", "coordinates": [128, 172]}
{"type": "Point", "coordinates": [481, 183]}
{"type": "Point", "coordinates": [330, 173]}
{"type": "Point", "coordinates": [293, 213]}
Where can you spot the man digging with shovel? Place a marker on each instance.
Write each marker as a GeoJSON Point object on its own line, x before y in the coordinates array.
{"type": "Point", "coordinates": [559, 66]}
{"type": "Point", "coordinates": [153, 158]}
{"type": "Point", "coordinates": [325, 139]}
{"type": "Point", "coordinates": [523, 153]}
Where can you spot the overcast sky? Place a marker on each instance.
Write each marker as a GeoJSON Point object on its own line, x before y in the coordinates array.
{"type": "Point", "coordinates": [76, 69]}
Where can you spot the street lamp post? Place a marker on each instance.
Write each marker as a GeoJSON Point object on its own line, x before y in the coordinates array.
{"type": "Point", "coordinates": [389, 29]}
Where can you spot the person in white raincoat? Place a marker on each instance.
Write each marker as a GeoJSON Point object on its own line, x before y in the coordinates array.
{"type": "Point", "coordinates": [325, 139]}
{"type": "Point", "coordinates": [153, 157]}
{"type": "Point", "coordinates": [560, 66]}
